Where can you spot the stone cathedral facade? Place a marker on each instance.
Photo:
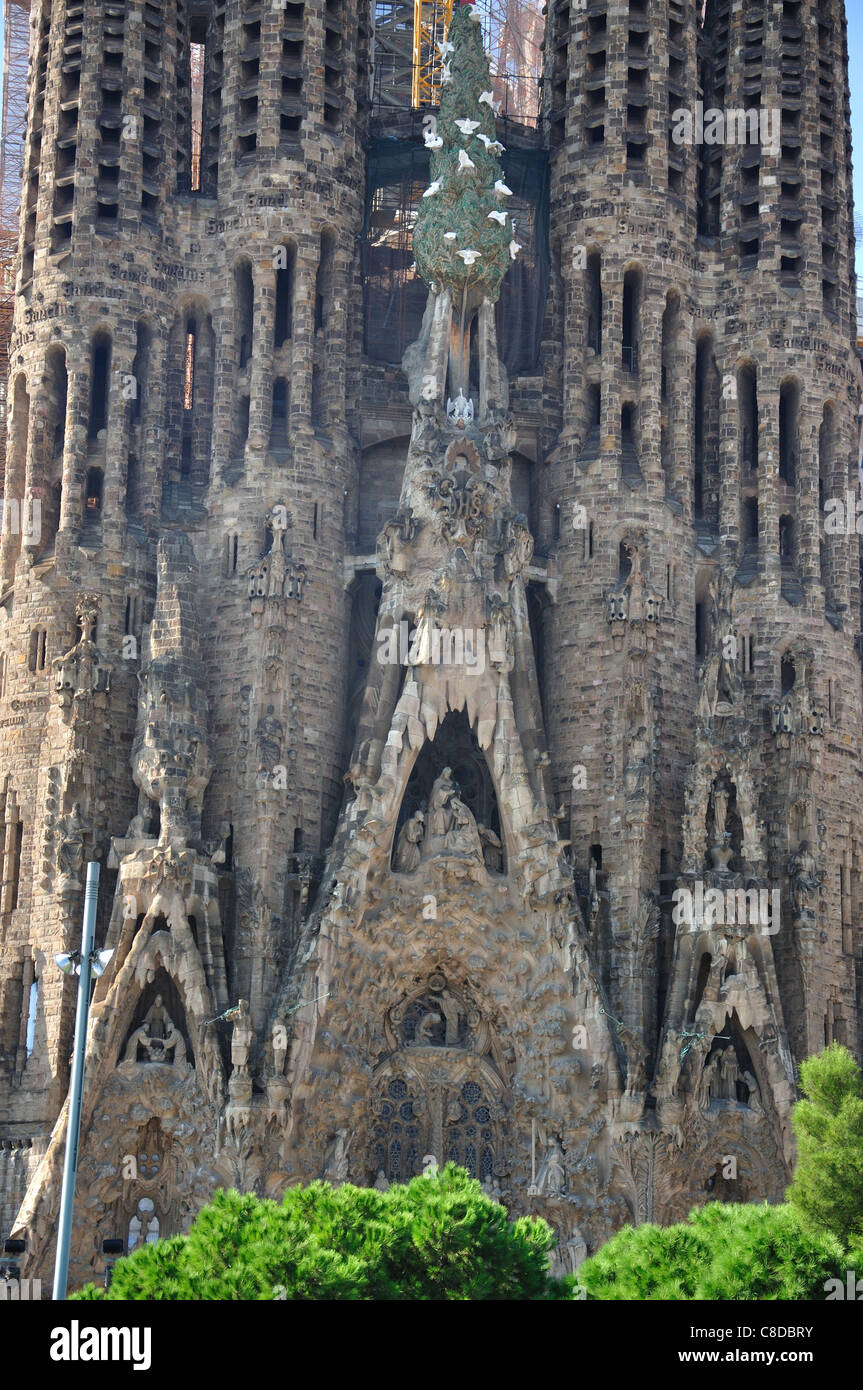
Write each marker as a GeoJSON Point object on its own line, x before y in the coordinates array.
{"type": "Point", "coordinates": [408, 645]}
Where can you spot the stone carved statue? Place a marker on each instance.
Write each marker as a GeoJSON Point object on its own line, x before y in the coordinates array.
{"type": "Point", "coordinates": [753, 1099]}
{"type": "Point", "coordinates": [440, 1025]}
{"type": "Point", "coordinates": [669, 1067]}
{"type": "Point", "coordinates": [721, 852]}
{"type": "Point", "coordinates": [551, 1177]}
{"type": "Point", "coordinates": [70, 852]}
{"type": "Point", "coordinates": [806, 879]}
{"type": "Point", "coordinates": [242, 1037]}
{"type": "Point", "coordinates": [452, 828]}
{"type": "Point", "coordinates": [709, 1084]}
{"type": "Point", "coordinates": [408, 850]}
{"type": "Point", "coordinates": [269, 733]}
{"type": "Point", "coordinates": [728, 1074]}
{"type": "Point", "coordinates": [491, 848]}
{"type": "Point", "coordinates": [429, 1031]}
{"type": "Point", "coordinates": [571, 1254]}
{"type": "Point", "coordinates": [336, 1163]}
{"type": "Point", "coordinates": [158, 1036]}
{"type": "Point", "coordinates": [636, 770]}
{"type": "Point", "coordinates": [636, 1057]}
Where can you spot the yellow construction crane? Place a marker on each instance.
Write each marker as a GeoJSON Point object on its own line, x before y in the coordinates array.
{"type": "Point", "coordinates": [431, 24]}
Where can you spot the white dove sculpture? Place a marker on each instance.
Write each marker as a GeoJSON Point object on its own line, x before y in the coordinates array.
{"type": "Point", "coordinates": [514, 248]}
{"type": "Point", "coordinates": [489, 143]}
{"type": "Point", "coordinates": [501, 188]}
{"type": "Point", "coordinates": [475, 15]}
{"type": "Point", "coordinates": [498, 217]}
{"type": "Point", "coordinates": [469, 257]}
{"type": "Point", "coordinates": [488, 98]}
{"type": "Point", "coordinates": [466, 127]}
{"type": "Point", "coordinates": [450, 236]}
{"type": "Point", "coordinates": [432, 141]}
{"type": "Point", "coordinates": [464, 162]}
{"type": "Point", "coordinates": [433, 188]}
{"type": "Point", "coordinates": [445, 48]}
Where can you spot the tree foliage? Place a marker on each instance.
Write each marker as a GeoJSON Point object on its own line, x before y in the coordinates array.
{"type": "Point", "coordinates": [722, 1251]}
{"type": "Point", "coordinates": [435, 1238]}
{"type": "Point", "coordinates": [827, 1189]}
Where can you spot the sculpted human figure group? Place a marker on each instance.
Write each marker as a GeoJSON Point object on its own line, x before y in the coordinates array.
{"type": "Point", "coordinates": [447, 826]}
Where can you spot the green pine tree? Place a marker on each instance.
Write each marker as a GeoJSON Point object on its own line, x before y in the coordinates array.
{"type": "Point", "coordinates": [436, 1238]}
{"type": "Point", "coordinates": [828, 1123]}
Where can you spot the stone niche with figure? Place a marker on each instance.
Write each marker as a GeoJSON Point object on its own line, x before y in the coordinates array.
{"type": "Point", "coordinates": [450, 808]}
{"type": "Point", "coordinates": [158, 1034]}
{"type": "Point", "coordinates": [437, 1017]}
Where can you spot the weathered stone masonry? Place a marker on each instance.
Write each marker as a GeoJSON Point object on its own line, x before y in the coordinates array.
{"type": "Point", "coordinates": [237, 505]}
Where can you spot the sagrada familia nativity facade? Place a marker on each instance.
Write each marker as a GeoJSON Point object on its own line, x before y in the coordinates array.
{"type": "Point", "coordinates": [443, 618]}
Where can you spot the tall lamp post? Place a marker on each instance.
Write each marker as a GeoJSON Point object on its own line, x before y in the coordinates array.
{"type": "Point", "coordinates": [84, 964]}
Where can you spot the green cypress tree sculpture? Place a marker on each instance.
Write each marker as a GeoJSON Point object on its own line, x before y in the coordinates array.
{"type": "Point", "coordinates": [464, 240]}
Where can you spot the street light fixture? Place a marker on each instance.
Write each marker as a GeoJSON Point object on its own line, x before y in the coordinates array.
{"type": "Point", "coordinates": [83, 963]}
{"type": "Point", "coordinates": [112, 1249]}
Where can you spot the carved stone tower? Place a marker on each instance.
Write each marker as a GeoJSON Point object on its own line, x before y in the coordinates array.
{"type": "Point", "coordinates": [421, 602]}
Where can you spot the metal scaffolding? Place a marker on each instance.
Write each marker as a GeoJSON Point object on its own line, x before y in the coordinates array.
{"type": "Point", "coordinates": [408, 68]}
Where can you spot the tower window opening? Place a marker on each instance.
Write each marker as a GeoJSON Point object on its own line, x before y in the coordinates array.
{"type": "Point", "coordinates": [15, 837]}
{"type": "Point", "coordinates": [699, 631]}
{"type": "Point", "coordinates": [631, 296]}
{"type": "Point", "coordinates": [32, 1010]}
{"type": "Point", "coordinates": [100, 368]}
{"type": "Point", "coordinates": [285, 297]}
{"type": "Point", "coordinates": [593, 295]}
{"type": "Point", "coordinates": [747, 395]}
{"type": "Point", "coordinates": [750, 521]}
{"type": "Point", "coordinates": [787, 540]}
{"type": "Point", "coordinates": [38, 649]}
{"type": "Point", "coordinates": [141, 368]}
{"type": "Point", "coordinates": [317, 396]}
{"type": "Point", "coordinates": [787, 674]}
{"type": "Point", "coordinates": [232, 552]}
{"type": "Point", "coordinates": [93, 492]}
{"type": "Point", "coordinates": [244, 311]}
{"type": "Point", "coordinates": [324, 279]}
{"type": "Point", "coordinates": [789, 403]}
{"type": "Point", "coordinates": [197, 67]}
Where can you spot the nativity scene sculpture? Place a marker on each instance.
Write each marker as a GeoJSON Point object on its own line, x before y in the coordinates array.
{"type": "Point", "coordinates": [157, 1039]}
{"type": "Point", "coordinates": [448, 827]}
